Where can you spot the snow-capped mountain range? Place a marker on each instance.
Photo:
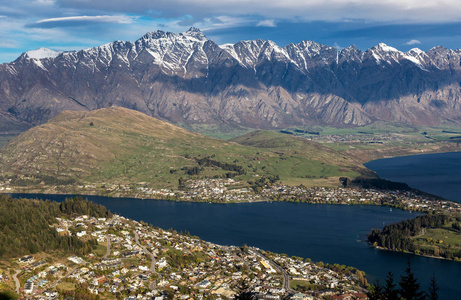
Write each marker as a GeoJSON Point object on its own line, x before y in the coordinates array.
{"type": "Point", "coordinates": [187, 78]}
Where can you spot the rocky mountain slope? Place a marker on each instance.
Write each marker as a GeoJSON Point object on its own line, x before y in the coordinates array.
{"type": "Point", "coordinates": [186, 78]}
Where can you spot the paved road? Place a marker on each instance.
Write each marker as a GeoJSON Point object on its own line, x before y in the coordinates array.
{"type": "Point", "coordinates": [108, 247]}
{"type": "Point", "coordinates": [286, 278]}
{"type": "Point", "coordinates": [152, 266]}
{"type": "Point", "coordinates": [16, 280]}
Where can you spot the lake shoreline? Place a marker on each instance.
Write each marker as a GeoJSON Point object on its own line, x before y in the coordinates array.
{"type": "Point", "coordinates": [412, 253]}
{"type": "Point", "coordinates": [211, 201]}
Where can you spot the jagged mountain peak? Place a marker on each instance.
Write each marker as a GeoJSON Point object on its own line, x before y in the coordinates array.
{"type": "Point", "coordinates": [439, 47]}
{"type": "Point", "coordinates": [308, 43]}
{"type": "Point", "coordinates": [439, 50]}
{"type": "Point", "coordinates": [384, 47]}
{"type": "Point", "coordinates": [196, 33]}
{"type": "Point", "coordinates": [153, 35]}
{"type": "Point", "coordinates": [40, 53]}
{"type": "Point", "coordinates": [193, 34]}
{"type": "Point", "coordinates": [312, 46]}
{"type": "Point", "coordinates": [416, 51]}
{"type": "Point", "coordinates": [350, 48]}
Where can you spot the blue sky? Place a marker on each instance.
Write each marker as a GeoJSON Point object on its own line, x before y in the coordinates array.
{"type": "Point", "coordinates": [78, 24]}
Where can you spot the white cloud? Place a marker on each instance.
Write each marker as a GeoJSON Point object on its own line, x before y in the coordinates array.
{"type": "Point", "coordinates": [219, 22]}
{"type": "Point", "coordinates": [413, 42]}
{"type": "Point", "coordinates": [46, 2]}
{"type": "Point", "coordinates": [106, 19]}
{"type": "Point", "coordinates": [406, 11]}
{"type": "Point", "coordinates": [9, 44]}
{"type": "Point", "coordinates": [266, 23]}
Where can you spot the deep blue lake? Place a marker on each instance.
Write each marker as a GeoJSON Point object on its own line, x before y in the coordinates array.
{"type": "Point", "coordinates": [328, 233]}
{"type": "Point", "coordinates": [438, 174]}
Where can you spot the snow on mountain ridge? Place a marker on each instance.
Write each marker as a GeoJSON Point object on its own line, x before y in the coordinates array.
{"type": "Point", "coordinates": [42, 53]}
{"type": "Point", "coordinates": [195, 33]}
{"type": "Point", "coordinates": [416, 51]}
{"type": "Point", "coordinates": [384, 47]}
{"type": "Point", "coordinates": [174, 51]}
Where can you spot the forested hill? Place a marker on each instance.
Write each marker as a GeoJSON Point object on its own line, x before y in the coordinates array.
{"type": "Point", "coordinates": [25, 225]}
{"type": "Point", "coordinates": [436, 235]}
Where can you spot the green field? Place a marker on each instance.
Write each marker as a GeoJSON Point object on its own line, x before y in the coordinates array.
{"type": "Point", "coordinates": [383, 140]}
{"type": "Point", "coordinates": [219, 131]}
{"type": "Point", "coordinates": [300, 159]}
{"type": "Point", "coordinates": [66, 286]}
{"type": "Point", "coordinates": [302, 286]}
{"type": "Point", "coordinates": [100, 250]}
{"type": "Point", "coordinates": [443, 131]}
{"type": "Point", "coordinates": [439, 239]}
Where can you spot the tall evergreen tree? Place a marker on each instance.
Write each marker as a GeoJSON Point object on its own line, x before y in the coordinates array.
{"type": "Point", "coordinates": [375, 291]}
{"type": "Point", "coordinates": [390, 291]}
{"type": "Point", "coordinates": [409, 286]}
{"type": "Point", "coordinates": [433, 288]}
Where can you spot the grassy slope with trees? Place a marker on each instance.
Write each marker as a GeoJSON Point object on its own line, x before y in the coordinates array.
{"type": "Point", "coordinates": [301, 159]}
{"type": "Point", "coordinates": [25, 225]}
{"type": "Point", "coordinates": [122, 146]}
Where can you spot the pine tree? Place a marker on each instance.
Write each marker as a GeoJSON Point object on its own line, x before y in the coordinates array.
{"type": "Point", "coordinates": [375, 291]}
{"type": "Point", "coordinates": [409, 286]}
{"type": "Point", "coordinates": [433, 288]}
{"type": "Point", "coordinates": [390, 292]}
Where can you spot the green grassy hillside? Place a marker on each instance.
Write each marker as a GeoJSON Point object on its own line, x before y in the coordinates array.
{"type": "Point", "coordinates": [122, 146]}
{"type": "Point", "coordinates": [302, 159]}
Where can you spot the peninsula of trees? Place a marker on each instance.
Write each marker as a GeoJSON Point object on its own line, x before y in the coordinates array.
{"type": "Point", "coordinates": [435, 235]}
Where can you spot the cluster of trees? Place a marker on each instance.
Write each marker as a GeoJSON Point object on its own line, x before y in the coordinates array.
{"type": "Point", "coordinates": [79, 206]}
{"type": "Point", "coordinates": [208, 162]}
{"type": "Point", "coordinates": [262, 182]}
{"type": "Point", "coordinates": [49, 180]}
{"type": "Point", "coordinates": [409, 288]}
{"type": "Point", "coordinates": [347, 270]}
{"type": "Point", "coordinates": [8, 295]}
{"type": "Point", "coordinates": [192, 170]}
{"type": "Point", "coordinates": [56, 181]}
{"type": "Point", "coordinates": [25, 225]}
{"type": "Point", "coordinates": [178, 260]}
{"type": "Point", "coordinates": [374, 183]}
{"type": "Point", "coordinates": [398, 236]}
